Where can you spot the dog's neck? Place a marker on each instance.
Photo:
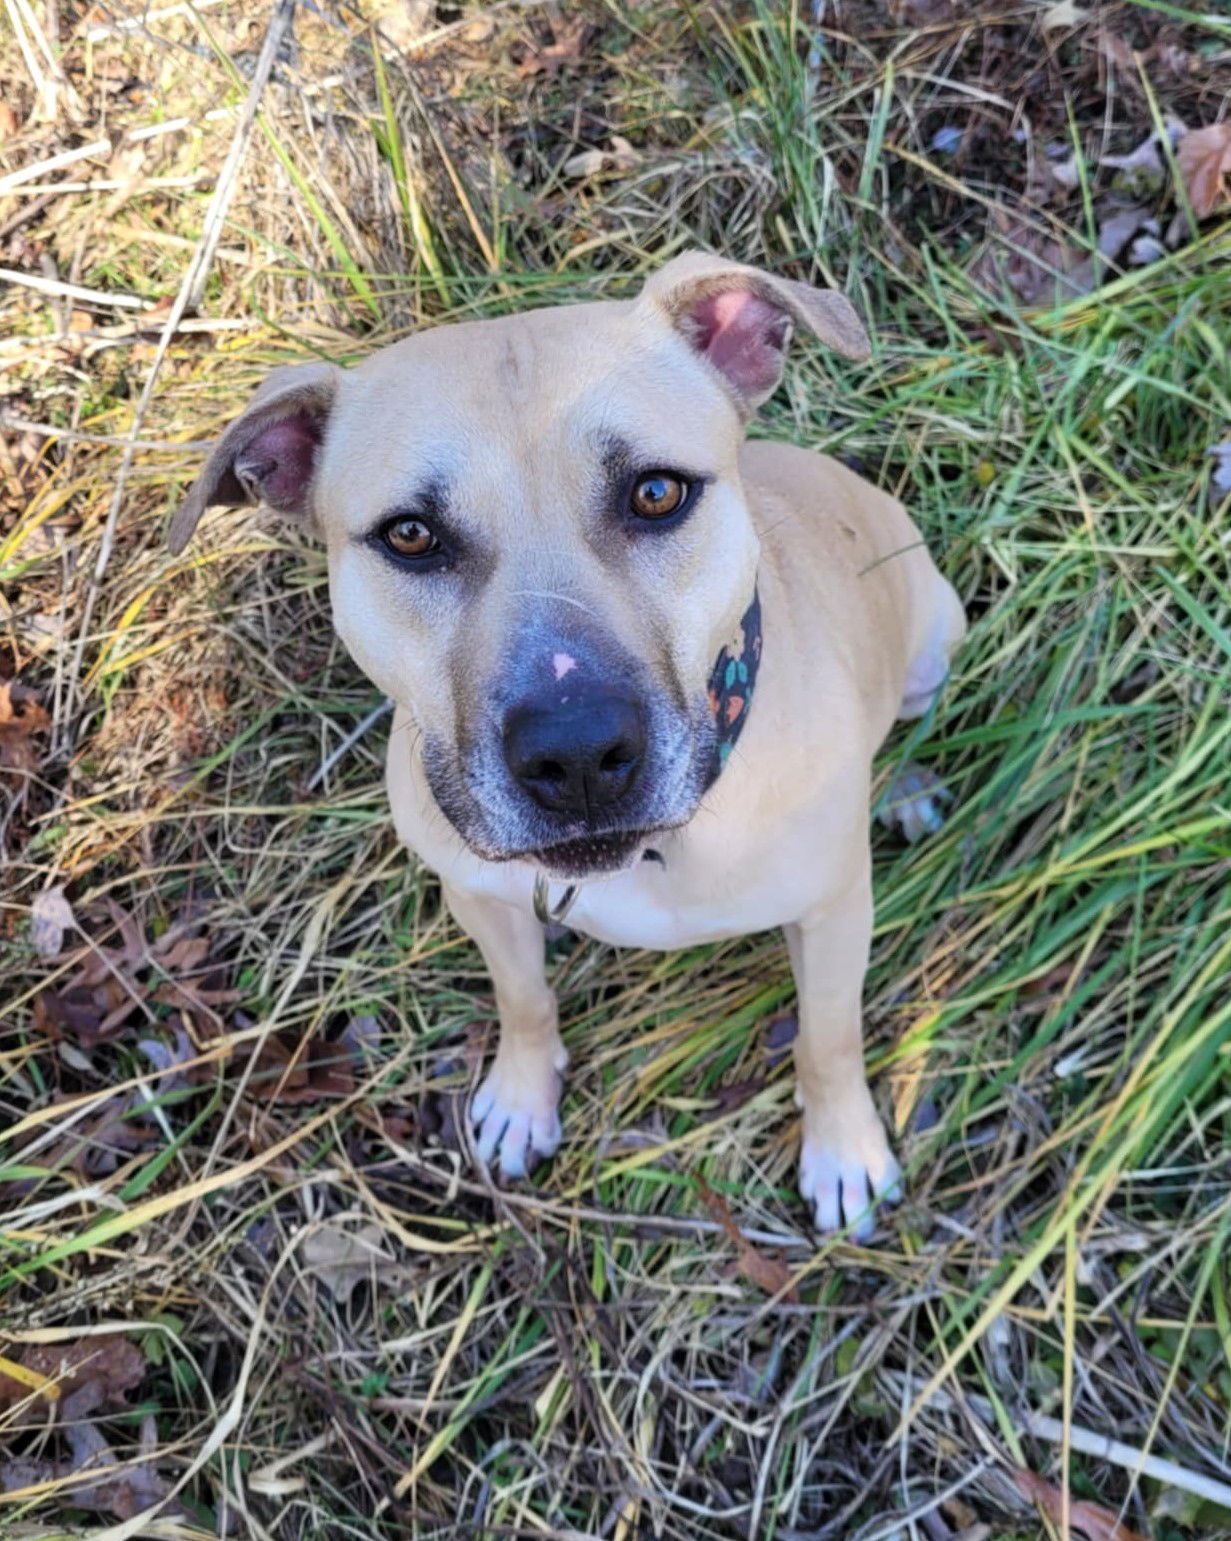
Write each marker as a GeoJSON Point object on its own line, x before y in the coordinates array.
{"type": "Point", "coordinates": [732, 682]}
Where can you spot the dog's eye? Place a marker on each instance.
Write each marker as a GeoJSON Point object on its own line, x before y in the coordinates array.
{"type": "Point", "coordinates": [658, 495]}
{"type": "Point", "coordinates": [409, 538]}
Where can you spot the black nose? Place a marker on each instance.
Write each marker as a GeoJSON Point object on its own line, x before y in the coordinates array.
{"type": "Point", "coordinates": [579, 757]}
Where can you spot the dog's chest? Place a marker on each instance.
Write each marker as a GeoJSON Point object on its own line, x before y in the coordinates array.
{"type": "Point", "coordinates": [679, 903]}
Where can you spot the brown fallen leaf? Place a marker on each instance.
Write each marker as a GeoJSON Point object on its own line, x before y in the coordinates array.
{"type": "Point", "coordinates": [21, 717]}
{"type": "Point", "coordinates": [288, 1074]}
{"type": "Point", "coordinates": [727, 1098]}
{"type": "Point", "coordinates": [768, 1271]}
{"type": "Point", "coordinates": [566, 47]}
{"type": "Point", "coordinates": [779, 1036]}
{"type": "Point", "coordinates": [104, 1367]}
{"type": "Point", "coordinates": [112, 984]}
{"type": "Point", "coordinates": [1204, 159]}
{"type": "Point", "coordinates": [121, 1489]}
{"type": "Point", "coordinates": [341, 1257]}
{"type": "Point", "coordinates": [1023, 261]}
{"type": "Point", "coordinates": [1094, 1522]}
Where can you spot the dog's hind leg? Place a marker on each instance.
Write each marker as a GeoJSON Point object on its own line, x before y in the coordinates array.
{"type": "Point", "coordinates": [845, 1161]}
{"type": "Point", "coordinates": [514, 1111]}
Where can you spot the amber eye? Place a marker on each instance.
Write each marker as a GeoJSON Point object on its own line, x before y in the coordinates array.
{"type": "Point", "coordinates": [409, 537]}
{"type": "Point", "coordinates": [658, 495]}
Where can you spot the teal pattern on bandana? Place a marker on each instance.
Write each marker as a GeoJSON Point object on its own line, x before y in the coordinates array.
{"type": "Point", "coordinates": [732, 683]}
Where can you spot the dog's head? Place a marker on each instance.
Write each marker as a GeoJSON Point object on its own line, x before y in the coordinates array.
{"type": "Point", "coordinates": [538, 542]}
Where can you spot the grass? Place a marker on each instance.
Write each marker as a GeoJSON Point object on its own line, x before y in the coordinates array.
{"type": "Point", "coordinates": [1047, 1012]}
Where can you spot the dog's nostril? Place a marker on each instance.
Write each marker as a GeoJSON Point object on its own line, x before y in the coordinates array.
{"type": "Point", "coordinates": [617, 759]}
{"type": "Point", "coordinates": [549, 771]}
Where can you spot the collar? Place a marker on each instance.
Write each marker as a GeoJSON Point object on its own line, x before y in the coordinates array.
{"type": "Point", "coordinates": [732, 682]}
{"type": "Point", "coordinates": [731, 685]}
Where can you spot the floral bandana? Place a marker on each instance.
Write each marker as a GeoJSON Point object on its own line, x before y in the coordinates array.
{"type": "Point", "coordinates": [730, 692]}
{"type": "Point", "coordinates": [732, 683]}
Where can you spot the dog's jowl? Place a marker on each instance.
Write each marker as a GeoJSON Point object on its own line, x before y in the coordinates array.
{"type": "Point", "coordinates": [646, 664]}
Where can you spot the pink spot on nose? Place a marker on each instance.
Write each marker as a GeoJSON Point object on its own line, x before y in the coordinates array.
{"type": "Point", "coordinates": [563, 664]}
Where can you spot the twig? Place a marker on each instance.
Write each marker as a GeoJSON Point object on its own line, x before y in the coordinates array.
{"type": "Point", "coordinates": [173, 125]}
{"type": "Point", "coordinates": [347, 744]}
{"type": "Point", "coordinates": [74, 291]}
{"type": "Point", "coordinates": [109, 185]}
{"type": "Point", "coordinates": [85, 152]}
{"type": "Point", "coordinates": [14, 424]}
{"type": "Point", "coordinates": [122, 24]}
{"type": "Point", "coordinates": [191, 288]}
{"type": "Point", "coordinates": [48, 77]}
{"type": "Point", "coordinates": [1103, 1448]}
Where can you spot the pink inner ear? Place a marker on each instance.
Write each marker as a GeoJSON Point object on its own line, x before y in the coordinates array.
{"type": "Point", "coordinates": [280, 461]}
{"type": "Point", "coordinates": [743, 335]}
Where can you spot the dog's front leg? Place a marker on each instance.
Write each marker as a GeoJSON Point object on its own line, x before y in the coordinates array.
{"type": "Point", "coordinates": [845, 1162]}
{"type": "Point", "coordinates": [515, 1110]}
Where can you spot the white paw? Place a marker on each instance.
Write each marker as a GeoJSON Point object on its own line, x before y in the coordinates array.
{"type": "Point", "coordinates": [515, 1117]}
{"type": "Point", "coordinates": [912, 803]}
{"type": "Point", "coordinates": [845, 1171]}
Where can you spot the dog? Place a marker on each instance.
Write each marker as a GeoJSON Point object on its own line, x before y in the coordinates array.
{"type": "Point", "coordinates": [640, 665]}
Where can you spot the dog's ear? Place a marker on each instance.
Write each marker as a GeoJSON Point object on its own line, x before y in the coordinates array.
{"type": "Point", "coordinates": [740, 319]}
{"type": "Point", "coordinates": [268, 455]}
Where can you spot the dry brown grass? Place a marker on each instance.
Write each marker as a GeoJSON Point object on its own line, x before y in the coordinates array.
{"type": "Point", "coordinates": [345, 1332]}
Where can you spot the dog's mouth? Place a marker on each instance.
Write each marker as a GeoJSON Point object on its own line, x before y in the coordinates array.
{"type": "Point", "coordinates": [590, 855]}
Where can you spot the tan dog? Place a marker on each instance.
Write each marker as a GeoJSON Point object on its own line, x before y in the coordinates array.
{"type": "Point", "coordinates": [545, 536]}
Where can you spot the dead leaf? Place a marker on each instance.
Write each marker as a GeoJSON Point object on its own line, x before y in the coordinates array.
{"type": "Point", "coordinates": [167, 1058]}
{"type": "Point", "coordinates": [404, 23]}
{"type": "Point", "coordinates": [1094, 1522]}
{"type": "Point", "coordinates": [1204, 159]}
{"type": "Point", "coordinates": [1064, 173]}
{"type": "Point", "coordinates": [122, 1489]}
{"type": "Point", "coordinates": [105, 1367]}
{"type": "Point", "coordinates": [20, 717]}
{"type": "Point", "coordinates": [1176, 60]}
{"type": "Point", "coordinates": [51, 915]}
{"type": "Point", "coordinates": [111, 984]}
{"type": "Point", "coordinates": [8, 122]}
{"type": "Point", "coordinates": [779, 1036]}
{"type": "Point", "coordinates": [588, 163]}
{"type": "Point", "coordinates": [728, 1098]}
{"type": "Point", "coordinates": [1065, 14]}
{"type": "Point", "coordinates": [913, 802]}
{"type": "Point", "coordinates": [1141, 170]}
{"type": "Point", "coordinates": [1021, 262]}
{"type": "Point", "coordinates": [623, 156]}
{"type": "Point", "coordinates": [566, 47]}
{"type": "Point", "coordinates": [1117, 52]}
{"type": "Point", "coordinates": [290, 1074]}
{"type": "Point", "coordinates": [341, 1257]}
{"type": "Point", "coordinates": [361, 1038]}
{"type": "Point", "coordinates": [768, 1271]}
{"type": "Point", "coordinates": [1144, 250]}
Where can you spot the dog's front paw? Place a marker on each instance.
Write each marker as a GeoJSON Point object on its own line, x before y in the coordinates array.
{"type": "Point", "coordinates": [515, 1115]}
{"type": "Point", "coordinates": [845, 1169]}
